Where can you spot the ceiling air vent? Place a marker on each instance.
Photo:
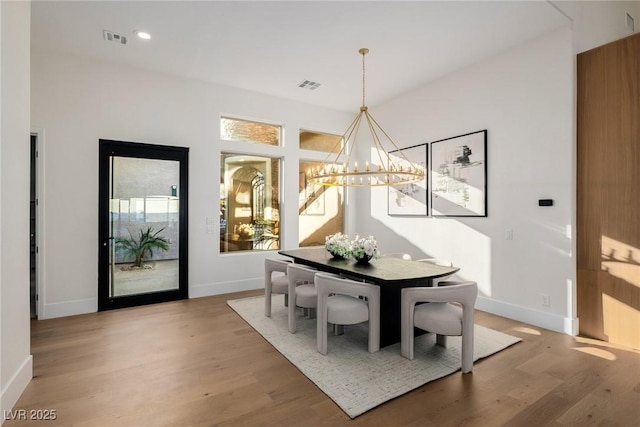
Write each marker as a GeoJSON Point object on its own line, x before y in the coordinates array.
{"type": "Point", "coordinates": [308, 84]}
{"type": "Point", "coordinates": [110, 36]}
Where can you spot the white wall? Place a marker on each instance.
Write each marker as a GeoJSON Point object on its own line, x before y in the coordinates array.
{"type": "Point", "coordinates": [599, 22]}
{"type": "Point", "coordinates": [15, 358]}
{"type": "Point", "coordinates": [78, 101]}
{"type": "Point", "coordinates": [524, 98]}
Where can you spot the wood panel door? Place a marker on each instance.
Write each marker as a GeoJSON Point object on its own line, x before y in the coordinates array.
{"type": "Point", "coordinates": [608, 192]}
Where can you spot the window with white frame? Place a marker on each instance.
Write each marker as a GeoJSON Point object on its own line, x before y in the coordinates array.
{"type": "Point", "coordinates": [249, 188]}
{"type": "Point", "coordinates": [320, 208]}
{"type": "Point", "coordinates": [249, 203]}
{"type": "Point", "coordinates": [249, 131]}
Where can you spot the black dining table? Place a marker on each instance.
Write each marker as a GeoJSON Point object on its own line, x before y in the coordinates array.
{"type": "Point", "coordinates": [391, 274]}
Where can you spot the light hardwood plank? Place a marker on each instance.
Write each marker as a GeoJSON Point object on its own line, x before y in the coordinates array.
{"type": "Point", "coordinates": [197, 363]}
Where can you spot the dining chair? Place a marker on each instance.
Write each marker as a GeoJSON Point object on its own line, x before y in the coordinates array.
{"type": "Point", "coordinates": [438, 261]}
{"type": "Point", "coordinates": [339, 304]}
{"type": "Point", "coordinates": [400, 255]}
{"type": "Point", "coordinates": [275, 281]}
{"type": "Point", "coordinates": [440, 317]}
{"type": "Point", "coordinates": [302, 292]}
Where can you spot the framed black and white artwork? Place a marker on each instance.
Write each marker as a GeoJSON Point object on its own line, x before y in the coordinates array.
{"type": "Point", "coordinates": [409, 199]}
{"type": "Point", "coordinates": [315, 201]}
{"type": "Point", "coordinates": [459, 175]}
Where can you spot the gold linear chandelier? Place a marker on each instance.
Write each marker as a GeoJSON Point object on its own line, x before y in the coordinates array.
{"type": "Point", "coordinates": [386, 169]}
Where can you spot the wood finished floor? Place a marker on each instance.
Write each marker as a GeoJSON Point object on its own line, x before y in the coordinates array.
{"type": "Point", "coordinates": [197, 363]}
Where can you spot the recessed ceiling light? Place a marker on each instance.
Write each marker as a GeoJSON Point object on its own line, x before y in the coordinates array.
{"type": "Point", "coordinates": [142, 34]}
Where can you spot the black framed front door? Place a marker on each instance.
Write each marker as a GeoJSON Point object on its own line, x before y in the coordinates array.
{"type": "Point", "coordinates": [142, 224]}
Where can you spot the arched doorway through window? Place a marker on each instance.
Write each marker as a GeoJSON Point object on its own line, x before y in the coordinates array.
{"type": "Point", "coordinates": [249, 205]}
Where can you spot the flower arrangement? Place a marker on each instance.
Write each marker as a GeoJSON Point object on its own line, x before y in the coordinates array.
{"type": "Point", "coordinates": [246, 230]}
{"type": "Point", "coordinates": [364, 248]}
{"type": "Point", "coordinates": [337, 245]}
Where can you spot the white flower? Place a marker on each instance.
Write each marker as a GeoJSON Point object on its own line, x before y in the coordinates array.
{"type": "Point", "coordinates": [368, 248]}
{"type": "Point", "coordinates": [362, 246]}
{"type": "Point", "coordinates": [337, 244]}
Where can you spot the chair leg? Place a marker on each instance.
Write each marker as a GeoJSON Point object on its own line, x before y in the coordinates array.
{"type": "Point", "coordinates": [374, 324]}
{"type": "Point", "coordinates": [321, 332]}
{"type": "Point", "coordinates": [286, 300]}
{"type": "Point", "coordinates": [467, 352]}
{"type": "Point", "coordinates": [267, 303]}
{"type": "Point", "coordinates": [441, 340]}
{"type": "Point", "coordinates": [321, 324]}
{"type": "Point", "coordinates": [406, 331]}
{"type": "Point", "coordinates": [338, 329]}
{"type": "Point", "coordinates": [374, 336]}
{"type": "Point", "coordinates": [291, 311]}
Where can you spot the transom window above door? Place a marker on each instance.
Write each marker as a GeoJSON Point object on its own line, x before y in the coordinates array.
{"type": "Point", "coordinates": [318, 141]}
{"type": "Point", "coordinates": [250, 131]}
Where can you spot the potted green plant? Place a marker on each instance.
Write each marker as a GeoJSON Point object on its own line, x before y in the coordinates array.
{"type": "Point", "coordinates": [146, 241]}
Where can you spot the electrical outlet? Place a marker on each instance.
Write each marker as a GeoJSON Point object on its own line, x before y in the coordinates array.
{"type": "Point", "coordinates": [545, 300]}
{"type": "Point", "coordinates": [508, 234]}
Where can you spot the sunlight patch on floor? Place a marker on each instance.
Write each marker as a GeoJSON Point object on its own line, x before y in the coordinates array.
{"type": "Point", "coordinates": [525, 330]}
{"type": "Point", "coordinates": [599, 343]}
{"type": "Point", "coordinates": [598, 352]}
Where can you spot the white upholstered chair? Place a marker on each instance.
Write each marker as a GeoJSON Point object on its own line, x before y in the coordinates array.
{"type": "Point", "coordinates": [438, 261]}
{"type": "Point", "coordinates": [302, 291]}
{"type": "Point", "coordinates": [400, 255]}
{"type": "Point", "coordinates": [339, 304]}
{"type": "Point", "coordinates": [275, 281]}
{"type": "Point", "coordinates": [440, 317]}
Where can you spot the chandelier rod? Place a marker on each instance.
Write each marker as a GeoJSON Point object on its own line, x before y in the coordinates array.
{"type": "Point", "coordinates": [363, 51]}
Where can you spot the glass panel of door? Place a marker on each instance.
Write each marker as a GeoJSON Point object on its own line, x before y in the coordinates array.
{"type": "Point", "coordinates": [144, 225]}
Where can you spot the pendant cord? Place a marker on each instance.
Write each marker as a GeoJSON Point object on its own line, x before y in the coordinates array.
{"type": "Point", "coordinates": [363, 51]}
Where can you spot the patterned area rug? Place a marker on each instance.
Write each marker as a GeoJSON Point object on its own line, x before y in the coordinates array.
{"type": "Point", "coordinates": [353, 378]}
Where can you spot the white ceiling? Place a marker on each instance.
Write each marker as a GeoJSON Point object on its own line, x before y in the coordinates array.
{"type": "Point", "coordinates": [270, 47]}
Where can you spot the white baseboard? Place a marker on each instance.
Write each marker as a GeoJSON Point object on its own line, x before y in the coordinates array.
{"type": "Point", "coordinates": [225, 287]}
{"type": "Point", "coordinates": [551, 321]}
{"type": "Point", "coordinates": [72, 308]}
{"type": "Point", "coordinates": [16, 385]}
{"type": "Point", "coordinates": [69, 308]}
